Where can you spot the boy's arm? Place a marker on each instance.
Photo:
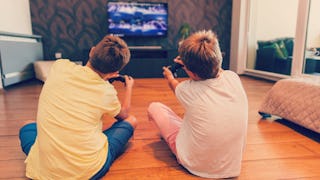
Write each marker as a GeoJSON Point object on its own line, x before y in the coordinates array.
{"type": "Point", "coordinates": [170, 78]}
{"type": "Point", "coordinates": [126, 104]}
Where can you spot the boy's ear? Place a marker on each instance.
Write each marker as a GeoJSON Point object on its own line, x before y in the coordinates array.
{"type": "Point", "coordinates": [114, 74]}
{"type": "Point", "coordinates": [91, 51]}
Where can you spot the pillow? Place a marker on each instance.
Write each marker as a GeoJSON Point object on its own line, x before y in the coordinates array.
{"type": "Point", "coordinates": [262, 44]}
{"type": "Point", "coordinates": [42, 69]}
{"type": "Point", "coordinates": [278, 52]}
{"type": "Point", "coordinates": [289, 45]}
{"type": "Point", "coordinates": [283, 48]}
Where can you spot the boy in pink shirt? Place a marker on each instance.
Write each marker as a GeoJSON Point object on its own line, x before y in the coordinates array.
{"type": "Point", "coordinates": [209, 140]}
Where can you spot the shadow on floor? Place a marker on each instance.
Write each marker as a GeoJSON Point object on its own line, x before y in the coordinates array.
{"type": "Point", "coordinates": [302, 130]}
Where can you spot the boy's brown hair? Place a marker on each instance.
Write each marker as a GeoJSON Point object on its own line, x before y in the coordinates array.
{"type": "Point", "coordinates": [111, 54]}
{"type": "Point", "coordinates": [201, 54]}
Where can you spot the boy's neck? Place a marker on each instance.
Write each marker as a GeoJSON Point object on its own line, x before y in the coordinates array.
{"type": "Point", "coordinates": [103, 76]}
{"type": "Point", "coordinates": [195, 77]}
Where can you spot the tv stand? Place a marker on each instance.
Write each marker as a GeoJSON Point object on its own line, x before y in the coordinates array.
{"type": "Point", "coordinates": [144, 47]}
{"type": "Point", "coordinates": [149, 53]}
{"type": "Point", "coordinates": [148, 62]}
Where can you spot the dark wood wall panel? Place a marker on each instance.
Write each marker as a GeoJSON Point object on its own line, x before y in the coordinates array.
{"type": "Point", "coordinates": [70, 26]}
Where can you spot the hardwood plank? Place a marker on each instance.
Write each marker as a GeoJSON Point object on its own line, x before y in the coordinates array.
{"type": "Point", "coordinates": [9, 131]}
{"type": "Point", "coordinates": [158, 173]}
{"type": "Point", "coordinates": [283, 137]}
{"type": "Point", "coordinates": [144, 159]}
{"type": "Point", "coordinates": [6, 141]}
{"type": "Point", "coordinates": [276, 151]}
{"type": "Point", "coordinates": [9, 153]}
{"type": "Point", "coordinates": [12, 169]}
{"type": "Point", "coordinates": [291, 168]}
{"type": "Point", "coordinates": [311, 145]}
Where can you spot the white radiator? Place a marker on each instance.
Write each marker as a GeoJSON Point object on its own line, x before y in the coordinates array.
{"type": "Point", "coordinates": [17, 54]}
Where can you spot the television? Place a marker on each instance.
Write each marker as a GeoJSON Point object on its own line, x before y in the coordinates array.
{"type": "Point", "coordinates": [137, 18]}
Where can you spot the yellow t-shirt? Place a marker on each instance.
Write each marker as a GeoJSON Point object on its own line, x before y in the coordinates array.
{"type": "Point", "coordinates": [70, 143]}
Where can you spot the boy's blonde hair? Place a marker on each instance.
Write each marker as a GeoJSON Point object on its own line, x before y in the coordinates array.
{"type": "Point", "coordinates": [111, 54]}
{"type": "Point", "coordinates": [201, 54]}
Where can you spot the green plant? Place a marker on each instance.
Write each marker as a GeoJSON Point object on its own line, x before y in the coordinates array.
{"type": "Point", "coordinates": [184, 31]}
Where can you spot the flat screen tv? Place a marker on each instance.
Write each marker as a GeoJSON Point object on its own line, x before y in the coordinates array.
{"type": "Point", "coordinates": [137, 18]}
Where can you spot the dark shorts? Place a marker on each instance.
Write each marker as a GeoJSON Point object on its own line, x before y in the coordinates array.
{"type": "Point", "coordinates": [118, 136]}
{"type": "Point", "coordinates": [27, 135]}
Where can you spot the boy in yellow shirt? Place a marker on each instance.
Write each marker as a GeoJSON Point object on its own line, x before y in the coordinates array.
{"type": "Point", "coordinates": [67, 140]}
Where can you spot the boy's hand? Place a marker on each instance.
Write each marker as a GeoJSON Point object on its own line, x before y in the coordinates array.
{"type": "Point", "coordinates": [129, 81]}
{"type": "Point", "coordinates": [170, 78]}
{"type": "Point", "coordinates": [178, 60]}
{"type": "Point", "coordinates": [167, 73]}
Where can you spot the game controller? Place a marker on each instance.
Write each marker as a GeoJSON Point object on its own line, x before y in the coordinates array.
{"type": "Point", "coordinates": [119, 78]}
{"type": "Point", "coordinates": [174, 67]}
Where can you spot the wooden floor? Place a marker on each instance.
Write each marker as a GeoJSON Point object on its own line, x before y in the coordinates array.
{"type": "Point", "coordinates": [273, 151]}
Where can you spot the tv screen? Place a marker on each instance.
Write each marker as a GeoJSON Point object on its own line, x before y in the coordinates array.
{"type": "Point", "coordinates": [137, 19]}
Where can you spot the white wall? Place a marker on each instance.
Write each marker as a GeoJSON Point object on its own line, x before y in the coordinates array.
{"type": "Point", "coordinates": [15, 17]}
{"type": "Point", "coordinates": [313, 36]}
{"type": "Point", "coordinates": [271, 19]}
{"type": "Point", "coordinates": [276, 18]}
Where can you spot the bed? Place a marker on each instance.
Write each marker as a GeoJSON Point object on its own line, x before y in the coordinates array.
{"type": "Point", "coordinates": [296, 100]}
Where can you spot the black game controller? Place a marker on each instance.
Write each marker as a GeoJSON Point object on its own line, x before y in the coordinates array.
{"type": "Point", "coordinates": [174, 67]}
{"type": "Point", "coordinates": [119, 78]}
